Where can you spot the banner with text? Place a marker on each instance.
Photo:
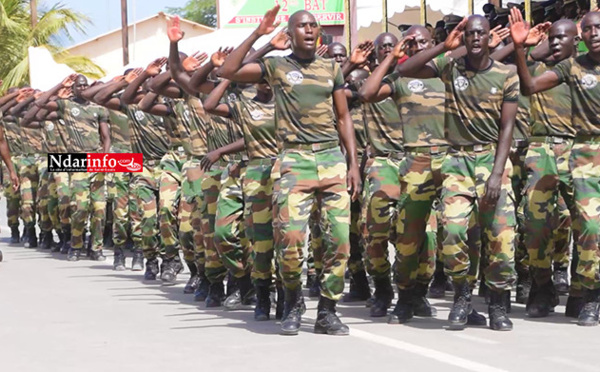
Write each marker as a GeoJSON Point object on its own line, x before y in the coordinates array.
{"type": "Point", "coordinates": [249, 13]}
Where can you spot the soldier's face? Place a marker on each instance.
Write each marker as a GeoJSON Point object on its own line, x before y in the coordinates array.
{"type": "Point", "coordinates": [590, 31]}
{"type": "Point", "coordinates": [561, 42]}
{"type": "Point", "coordinates": [304, 33]}
{"type": "Point", "coordinates": [384, 46]}
{"type": "Point", "coordinates": [338, 52]}
{"type": "Point", "coordinates": [263, 88]}
{"type": "Point", "coordinates": [80, 85]}
{"type": "Point", "coordinates": [422, 41]}
{"type": "Point", "coordinates": [477, 36]}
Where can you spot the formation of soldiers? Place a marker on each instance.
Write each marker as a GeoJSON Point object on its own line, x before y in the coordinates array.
{"type": "Point", "coordinates": [478, 159]}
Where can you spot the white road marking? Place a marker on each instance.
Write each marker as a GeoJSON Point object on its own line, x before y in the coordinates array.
{"type": "Point", "coordinates": [572, 364]}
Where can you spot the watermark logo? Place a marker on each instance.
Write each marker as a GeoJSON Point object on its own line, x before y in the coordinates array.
{"type": "Point", "coordinates": [97, 162]}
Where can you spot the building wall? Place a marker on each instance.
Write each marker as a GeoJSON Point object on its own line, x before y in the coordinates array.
{"type": "Point", "coordinates": [150, 42]}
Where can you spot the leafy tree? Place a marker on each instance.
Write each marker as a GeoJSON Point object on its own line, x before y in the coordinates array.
{"type": "Point", "coordinates": [199, 11]}
{"type": "Point", "coordinates": [17, 35]}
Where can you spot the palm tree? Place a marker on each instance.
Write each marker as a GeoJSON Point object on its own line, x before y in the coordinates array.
{"type": "Point", "coordinates": [17, 35]}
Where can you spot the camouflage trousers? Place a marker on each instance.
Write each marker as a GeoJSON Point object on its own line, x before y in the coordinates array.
{"type": "Point", "coordinates": [63, 194]}
{"type": "Point", "coordinates": [13, 198]}
{"type": "Point", "coordinates": [584, 164]}
{"type": "Point", "coordinates": [420, 185]}
{"type": "Point", "coordinates": [381, 196]}
{"type": "Point", "coordinates": [29, 179]}
{"type": "Point", "coordinates": [211, 185]}
{"type": "Point", "coordinates": [517, 179]}
{"type": "Point", "coordinates": [189, 215]}
{"type": "Point", "coordinates": [230, 239]}
{"type": "Point", "coordinates": [53, 200]}
{"type": "Point", "coordinates": [170, 195]}
{"type": "Point", "coordinates": [43, 195]}
{"type": "Point", "coordinates": [88, 201]}
{"type": "Point", "coordinates": [308, 175]}
{"type": "Point", "coordinates": [314, 256]}
{"type": "Point", "coordinates": [122, 198]}
{"type": "Point", "coordinates": [465, 174]}
{"type": "Point", "coordinates": [144, 216]}
{"type": "Point", "coordinates": [258, 198]}
{"type": "Point", "coordinates": [548, 181]}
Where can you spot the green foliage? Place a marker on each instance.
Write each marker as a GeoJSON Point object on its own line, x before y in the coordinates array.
{"type": "Point", "coordinates": [199, 11]}
{"type": "Point", "coordinates": [17, 35]}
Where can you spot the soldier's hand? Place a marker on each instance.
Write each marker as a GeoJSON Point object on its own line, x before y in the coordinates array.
{"type": "Point", "coordinates": [400, 49]}
{"type": "Point", "coordinates": [360, 54]}
{"type": "Point", "coordinates": [322, 50]}
{"type": "Point", "coordinates": [193, 62]}
{"type": "Point", "coordinates": [65, 93]}
{"type": "Point", "coordinates": [133, 74]}
{"type": "Point", "coordinates": [454, 39]}
{"type": "Point", "coordinates": [155, 67]}
{"type": "Point", "coordinates": [268, 23]}
{"type": "Point", "coordinates": [69, 81]}
{"type": "Point", "coordinates": [174, 30]}
{"type": "Point", "coordinates": [218, 57]}
{"type": "Point", "coordinates": [354, 182]}
{"type": "Point", "coordinates": [208, 160]}
{"type": "Point", "coordinates": [14, 180]}
{"type": "Point", "coordinates": [493, 187]}
{"type": "Point", "coordinates": [281, 41]}
{"type": "Point", "coordinates": [497, 34]}
{"type": "Point", "coordinates": [519, 30]}
{"type": "Point", "coordinates": [537, 34]}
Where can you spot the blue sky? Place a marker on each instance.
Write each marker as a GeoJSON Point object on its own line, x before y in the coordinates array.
{"type": "Point", "coordinates": [106, 14]}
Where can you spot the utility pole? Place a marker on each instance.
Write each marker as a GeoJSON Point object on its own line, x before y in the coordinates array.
{"type": "Point", "coordinates": [124, 32]}
{"type": "Point", "coordinates": [33, 5]}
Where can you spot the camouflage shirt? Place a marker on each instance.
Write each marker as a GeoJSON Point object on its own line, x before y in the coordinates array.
{"type": "Point", "coordinates": [83, 124]}
{"type": "Point", "coordinates": [32, 138]}
{"type": "Point", "coordinates": [119, 132]}
{"type": "Point", "coordinates": [171, 120]}
{"type": "Point", "coordinates": [582, 75]}
{"type": "Point", "coordinates": [219, 134]}
{"type": "Point", "coordinates": [236, 132]}
{"type": "Point", "coordinates": [303, 92]}
{"type": "Point", "coordinates": [358, 120]}
{"type": "Point", "coordinates": [421, 107]}
{"type": "Point", "coordinates": [148, 133]}
{"type": "Point", "coordinates": [198, 126]}
{"type": "Point", "coordinates": [383, 126]}
{"type": "Point", "coordinates": [12, 132]}
{"type": "Point", "coordinates": [52, 138]}
{"type": "Point", "coordinates": [551, 109]}
{"type": "Point", "coordinates": [258, 124]}
{"type": "Point", "coordinates": [474, 100]}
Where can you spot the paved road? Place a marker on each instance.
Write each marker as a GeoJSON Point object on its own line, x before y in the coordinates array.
{"type": "Point", "coordinates": [61, 316]}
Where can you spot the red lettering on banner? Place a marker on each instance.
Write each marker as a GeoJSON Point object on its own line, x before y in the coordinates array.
{"type": "Point", "coordinates": [128, 162]}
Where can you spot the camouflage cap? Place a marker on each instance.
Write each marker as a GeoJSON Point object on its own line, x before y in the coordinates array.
{"type": "Point", "coordinates": [452, 20]}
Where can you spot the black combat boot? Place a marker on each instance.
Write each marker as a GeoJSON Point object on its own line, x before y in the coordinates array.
{"type": "Point", "coordinates": [137, 263]}
{"type": "Point", "coordinates": [560, 277]}
{"type": "Point", "coordinates": [404, 309]}
{"type": "Point", "coordinates": [244, 297]}
{"type": "Point", "coordinates": [497, 311]}
{"type": "Point", "coordinates": [437, 289]}
{"type": "Point", "coordinates": [216, 294]}
{"type": "Point", "coordinates": [73, 254]}
{"type": "Point", "coordinates": [421, 306]}
{"type": "Point", "coordinates": [462, 307]}
{"type": "Point", "coordinates": [524, 283]}
{"type": "Point", "coordinates": [97, 256]}
{"type": "Point", "coordinates": [542, 300]}
{"type": "Point", "coordinates": [263, 300]}
{"type": "Point", "coordinates": [359, 288]}
{"type": "Point", "coordinates": [170, 269]}
{"type": "Point", "coordinates": [192, 284]}
{"type": "Point", "coordinates": [47, 240]}
{"type": "Point", "coordinates": [14, 235]}
{"type": "Point", "coordinates": [384, 294]}
{"type": "Point", "coordinates": [32, 241]}
{"type": "Point", "coordinates": [151, 269]}
{"type": "Point", "coordinates": [310, 280]}
{"type": "Point", "coordinates": [574, 306]}
{"type": "Point", "coordinates": [61, 241]}
{"type": "Point", "coordinates": [119, 260]}
{"type": "Point", "coordinates": [315, 288]}
{"type": "Point", "coordinates": [107, 237]}
{"type": "Point", "coordinates": [25, 235]}
{"type": "Point", "coordinates": [292, 312]}
{"type": "Point", "coordinates": [202, 290]}
{"type": "Point", "coordinates": [327, 321]}
{"type": "Point", "coordinates": [280, 304]}
{"type": "Point", "coordinates": [589, 315]}
{"type": "Point", "coordinates": [66, 247]}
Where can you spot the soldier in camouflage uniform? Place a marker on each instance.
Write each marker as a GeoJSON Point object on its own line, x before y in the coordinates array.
{"type": "Point", "coordinates": [480, 114]}
{"type": "Point", "coordinates": [308, 90]}
{"type": "Point", "coordinates": [581, 76]}
{"type": "Point", "coordinates": [13, 139]}
{"type": "Point", "coordinates": [7, 162]}
{"type": "Point", "coordinates": [88, 132]}
{"type": "Point", "coordinates": [381, 193]}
